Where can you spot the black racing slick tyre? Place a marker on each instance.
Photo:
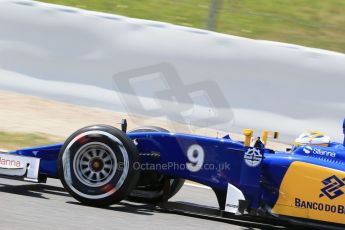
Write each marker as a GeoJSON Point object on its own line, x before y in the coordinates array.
{"type": "Point", "coordinates": [97, 165]}
{"type": "Point", "coordinates": [151, 184]}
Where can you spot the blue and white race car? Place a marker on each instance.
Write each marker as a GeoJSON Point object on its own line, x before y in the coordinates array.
{"type": "Point", "coordinates": [101, 165]}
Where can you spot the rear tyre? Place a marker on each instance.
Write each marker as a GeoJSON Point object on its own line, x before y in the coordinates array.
{"type": "Point", "coordinates": [151, 184]}
{"type": "Point", "coordinates": [97, 165]}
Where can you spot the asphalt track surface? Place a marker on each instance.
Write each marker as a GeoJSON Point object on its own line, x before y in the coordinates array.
{"type": "Point", "coordinates": [48, 206]}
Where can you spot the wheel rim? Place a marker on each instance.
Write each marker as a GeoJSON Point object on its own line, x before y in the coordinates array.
{"type": "Point", "coordinates": [123, 166]}
{"type": "Point", "coordinates": [95, 164]}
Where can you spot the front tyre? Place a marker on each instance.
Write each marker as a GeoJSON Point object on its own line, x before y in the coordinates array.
{"type": "Point", "coordinates": [97, 165]}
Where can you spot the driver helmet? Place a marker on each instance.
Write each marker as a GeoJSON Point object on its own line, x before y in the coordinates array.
{"type": "Point", "coordinates": [312, 138]}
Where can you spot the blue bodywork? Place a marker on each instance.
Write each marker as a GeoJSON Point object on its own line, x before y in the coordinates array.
{"type": "Point", "coordinates": [223, 162]}
{"type": "Point", "coordinates": [344, 131]}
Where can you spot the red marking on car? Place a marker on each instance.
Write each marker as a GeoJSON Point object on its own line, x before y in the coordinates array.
{"type": "Point", "coordinates": [83, 140]}
{"type": "Point", "coordinates": [9, 163]}
{"type": "Point", "coordinates": [107, 188]}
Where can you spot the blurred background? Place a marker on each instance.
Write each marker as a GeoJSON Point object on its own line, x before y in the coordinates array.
{"type": "Point", "coordinates": [57, 65]}
{"type": "Point", "coordinates": [314, 23]}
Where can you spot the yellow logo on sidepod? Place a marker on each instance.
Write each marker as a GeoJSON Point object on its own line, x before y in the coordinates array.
{"type": "Point", "coordinates": [312, 192]}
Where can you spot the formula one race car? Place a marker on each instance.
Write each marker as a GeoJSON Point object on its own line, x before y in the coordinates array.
{"type": "Point", "coordinates": [101, 165]}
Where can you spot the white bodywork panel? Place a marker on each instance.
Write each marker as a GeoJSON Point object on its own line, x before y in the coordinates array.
{"type": "Point", "coordinates": [19, 166]}
{"type": "Point", "coordinates": [233, 197]}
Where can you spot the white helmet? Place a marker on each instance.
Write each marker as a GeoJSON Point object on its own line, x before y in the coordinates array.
{"type": "Point", "coordinates": [312, 138]}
